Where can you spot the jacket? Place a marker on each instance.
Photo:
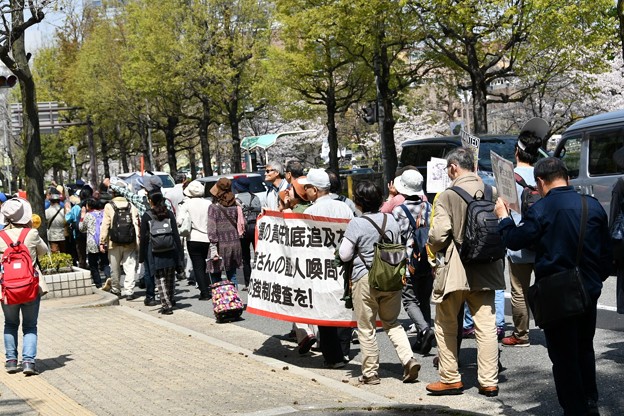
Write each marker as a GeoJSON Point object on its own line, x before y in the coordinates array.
{"type": "Point", "coordinates": [552, 224]}
{"type": "Point", "coordinates": [446, 234]}
{"type": "Point", "coordinates": [107, 221]}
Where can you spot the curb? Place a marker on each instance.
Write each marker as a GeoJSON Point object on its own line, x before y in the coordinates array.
{"type": "Point", "coordinates": [98, 299]}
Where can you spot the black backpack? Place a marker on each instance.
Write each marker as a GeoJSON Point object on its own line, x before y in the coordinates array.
{"type": "Point", "coordinates": [418, 264]}
{"type": "Point", "coordinates": [161, 234]}
{"type": "Point", "coordinates": [250, 210]}
{"type": "Point", "coordinates": [482, 242]}
{"type": "Point", "coordinates": [529, 195]}
{"type": "Point", "coordinates": [122, 229]}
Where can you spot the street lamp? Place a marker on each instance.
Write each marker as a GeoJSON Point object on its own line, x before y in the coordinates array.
{"type": "Point", "coordinates": [72, 151]}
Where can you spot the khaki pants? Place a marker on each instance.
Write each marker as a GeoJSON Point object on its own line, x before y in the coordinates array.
{"type": "Point", "coordinates": [123, 256]}
{"type": "Point", "coordinates": [368, 303]}
{"type": "Point", "coordinates": [520, 278]}
{"type": "Point", "coordinates": [481, 304]}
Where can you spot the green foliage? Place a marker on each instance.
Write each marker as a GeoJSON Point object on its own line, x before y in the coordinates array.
{"type": "Point", "coordinates": [55, 263]}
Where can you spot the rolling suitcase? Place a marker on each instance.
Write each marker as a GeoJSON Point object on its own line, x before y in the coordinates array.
{"type": "Point", "coordinates": [226, 303]}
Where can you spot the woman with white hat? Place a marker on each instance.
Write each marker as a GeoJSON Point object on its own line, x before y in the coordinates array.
{"type": "Point", "coordinates": [17, 216]}
{"type": "Point", "coordinates": [195, 207]}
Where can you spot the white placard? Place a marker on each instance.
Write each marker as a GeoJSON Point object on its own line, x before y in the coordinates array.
{"type": "Point", "coordinates": [293, 277]}
{"type": "Point", "coordinates": [437, 175]}
{"type": "Point", "coordinates": [503, 171]}
{"type": "Point", "coordinates": [471, 142]}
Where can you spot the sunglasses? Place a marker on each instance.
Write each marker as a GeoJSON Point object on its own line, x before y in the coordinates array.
{"type": "Point", "coordinates": [270, 170]}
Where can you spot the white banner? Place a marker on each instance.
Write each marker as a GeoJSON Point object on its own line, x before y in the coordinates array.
{"type": "Point", "coordinates": [293, 277]}
{"type": "Point", "coordinates": [503, 171]}
{"type": "Point", "coordinates": [437, 175]}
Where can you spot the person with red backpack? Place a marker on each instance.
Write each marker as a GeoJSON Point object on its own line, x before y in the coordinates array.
{"type": "Point", "coordinates": [20, 244]}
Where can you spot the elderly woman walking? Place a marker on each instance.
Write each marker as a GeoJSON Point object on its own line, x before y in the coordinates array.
{"type": "Point", "coordinates": [225, 227]}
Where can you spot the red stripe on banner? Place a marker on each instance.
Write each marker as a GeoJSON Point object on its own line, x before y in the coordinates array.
{"type": "Point", "coordinates": [295, 215]}
{"type": "Point", "coordinates": [289, 318]}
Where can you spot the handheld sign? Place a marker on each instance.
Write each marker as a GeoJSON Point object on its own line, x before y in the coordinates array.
{"type": "Point", "coordinates": [437, 176]}
{"type": "Point", "coordinates": [471, 142]}
{"type": "Point", "coordinates": [503, 171]}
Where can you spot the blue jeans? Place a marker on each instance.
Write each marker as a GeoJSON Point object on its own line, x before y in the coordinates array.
{"type": "Point", "coordinates": [499, 304]}
{"type": "Point", "coordinates": [30, 313]}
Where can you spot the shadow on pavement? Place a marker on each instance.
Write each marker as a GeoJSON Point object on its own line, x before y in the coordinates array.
{"type": "Point", "coordinates": [49, 364]}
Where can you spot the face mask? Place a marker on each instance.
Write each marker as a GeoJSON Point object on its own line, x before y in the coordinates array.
{"type": "Point", "coordinates": [142, 192]}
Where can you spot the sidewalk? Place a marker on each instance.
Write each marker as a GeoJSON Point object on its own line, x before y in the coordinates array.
{"type": "Point", "coordinates": [120, 360]}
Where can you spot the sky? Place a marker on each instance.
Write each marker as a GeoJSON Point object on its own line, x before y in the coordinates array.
{"type": "Point", "coordinates": [41, 34]}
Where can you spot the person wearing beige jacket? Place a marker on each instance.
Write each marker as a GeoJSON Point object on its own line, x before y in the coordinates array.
{"type": "Point", "coordinates": [455, 284]}
{"type": "Point", "coordinates": [120, 254]}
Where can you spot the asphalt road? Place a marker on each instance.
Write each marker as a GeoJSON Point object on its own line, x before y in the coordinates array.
{"type": "Point", "coordinates": [526, 381]}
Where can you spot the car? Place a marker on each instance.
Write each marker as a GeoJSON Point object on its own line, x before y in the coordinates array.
{"type": "Point", "coordinates": [356, 171]}
{"type": "Point", "coordinates": [256, 183]}
{"type": "Point", "coordinates": [587, 148]}
{"type": "Point", "coordinates": [131, 178]}
{"type": "Point", "coordinates": [418, 152]}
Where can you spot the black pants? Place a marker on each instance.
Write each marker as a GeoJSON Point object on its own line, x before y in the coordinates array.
{"type": "Point", "coordinates": [330, 344]}
{"type": "Point", "coordinates": [246, 253]}
{"type": "Point", "coordinates": [198, 253]}
{"type": "Point", "coordinates": [416, 297]}
{"type": "Point", "coordinates": [97, 261]}
{"type": "Point", "coordinates": [570, 346]}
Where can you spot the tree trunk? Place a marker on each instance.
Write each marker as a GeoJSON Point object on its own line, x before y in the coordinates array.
{"type": "Point", "coordinates": [389, 159]}
{"type": "Point", "coordinates": [93, 173]}
{"type": "Point", "coordinates": [192, 163]}
{"type": "Point", "coordinates": [620, 15]}
{"type": "Point", "coordinates": [479, 92]}
{"type": "Point", "coordinates": [123, 152]}
{"type": "Point", "coordinates": [332, 131]}
{"type": "Point", "coordinates": [104, 149]}
{"type": "Point", "coordinates": [203, 139]}
{"type": "Point", "coordinates": [172, 124]}
{"type": "Point", "coordinates": [236, 150]}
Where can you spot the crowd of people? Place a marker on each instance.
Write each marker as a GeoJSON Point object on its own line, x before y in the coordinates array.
{"type": "Point", "coordinates": [204, 237]}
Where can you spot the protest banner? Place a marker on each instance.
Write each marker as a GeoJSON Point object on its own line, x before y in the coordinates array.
{"type": "Point", "coordinates": [294, 277]}
{"type": "Point", "coordinates": [437, 175]}
{"type": "Point", "coordinates": [471, 142]}
{"type": "Point", "coordinates": [503, 171]}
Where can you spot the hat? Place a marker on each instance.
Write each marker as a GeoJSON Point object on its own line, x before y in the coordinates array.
{"type": "Point", "coordinates": [36, 221]}
{"type": "Point", "coordinates": [222, 190]}
{"type": "Point", "coordinates": [538, 126]}
{"type": "Point", "coordinates": [74, 200]}
{"type": "Point", "coordinates": [241, 184]}
{"type": "Point", "coordinates": [150, 182]}
{"type": "Point", "coordinates": [16, 211]}
{"type": "Point", "coordinates": [317, 178]}
{"type": "Point", "coordinates": [409, 183]}
{"type": "Point", "coordinates": [3, 197]}
{"type": "Point", "coordinates": [195, 189]}
{"type": "Point", "coordinates": [299, 189]}
{"type": "Point", "coordinates": [54, 195]}
{"type": "Point", "coordinates": [618, 157]}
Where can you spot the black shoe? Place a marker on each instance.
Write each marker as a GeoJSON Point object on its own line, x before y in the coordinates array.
{"type": "Point", "coordinates": [427, 337]}
{"type": "Point", "coordinates": [131, 296]}
{"type": "Point", "coordinates": [191, 283]}
{"type": "Point", "coordinates": [204, 297]}
{"type": "Point", "coordinates": [151, 302]}
{"type": "Point", "coordinates": [165, 311]}
{"type": "Point", "coordinates": [29, 369]}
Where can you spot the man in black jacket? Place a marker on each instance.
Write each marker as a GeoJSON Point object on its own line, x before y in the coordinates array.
{"type": "Point", "coordinates": [552, 225]}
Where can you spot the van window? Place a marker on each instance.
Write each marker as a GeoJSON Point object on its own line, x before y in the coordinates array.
{"type": "Point", "coordinates": [602, 145]}
{"type": "Point", "coordinates": [571, 152]}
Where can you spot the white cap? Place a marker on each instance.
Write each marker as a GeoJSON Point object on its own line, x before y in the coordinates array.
{"type": "Point", "coordinates": [409, 183]}
{"type": "Point", "coordinates": [317, 178]}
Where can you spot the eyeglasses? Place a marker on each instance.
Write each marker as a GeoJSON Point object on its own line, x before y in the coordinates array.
{"type": "Point", "coordinates": [270, 170]}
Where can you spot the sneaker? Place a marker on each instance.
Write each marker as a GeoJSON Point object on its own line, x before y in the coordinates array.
{"type": "Point", "coordinates": [412, 330]}
{"type": "Point", "coordinates": [354, 337]}
{"type": "Point", "coordinates": [410, 371]}
{"type": "Point", "coordinates": [500, 333]}
{"type": "Point", "coordinates": [29, 369]}
{"type": "Point", "coordinates": [468, 332]}
{"type": "Point", "coordinates": [512, 341]}
{"type": "Point", "coordinates": [372, 380]}
{"type": "Point", "coordinates": [151, 302]}
{"type": "Point", "coordinates": [339, 364]}
{"type": "Point", "coordinates": [306, 344]}
{"type": "Point", "coordinates": [11, 367]}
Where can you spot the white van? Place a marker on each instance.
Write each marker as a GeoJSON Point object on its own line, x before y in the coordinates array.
{"type": "Point", "coordinates": [587, 148]}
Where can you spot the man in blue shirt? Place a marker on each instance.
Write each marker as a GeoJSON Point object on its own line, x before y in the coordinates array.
{"type": "Point", "coordinates": [552, 226]}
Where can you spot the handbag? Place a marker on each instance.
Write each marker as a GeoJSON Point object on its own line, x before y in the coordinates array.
{"type": "Point", "coordinates": [185, 227]}
{"type": "Point", "coordinates": [561, 295]}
